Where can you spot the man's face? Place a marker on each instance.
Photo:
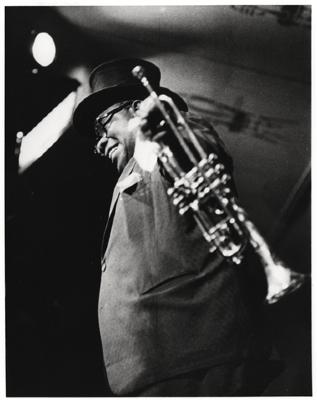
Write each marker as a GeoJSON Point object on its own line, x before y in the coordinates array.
{"type": "Point", "coordinates": [117, 142]}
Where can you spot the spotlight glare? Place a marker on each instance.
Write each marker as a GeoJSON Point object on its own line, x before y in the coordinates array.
{"type": "Point", "coordinates": [44, 49]}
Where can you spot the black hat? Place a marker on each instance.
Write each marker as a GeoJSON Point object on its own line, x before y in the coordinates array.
{"type": "Point", "coordinates": [113, 82]}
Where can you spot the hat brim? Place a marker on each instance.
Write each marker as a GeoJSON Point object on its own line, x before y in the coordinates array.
{"type": "Point", "coordinates": [88, 109]}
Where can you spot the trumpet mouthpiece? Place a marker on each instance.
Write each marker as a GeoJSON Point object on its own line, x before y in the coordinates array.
{"type": "Point", "coordinates": [138, 72]}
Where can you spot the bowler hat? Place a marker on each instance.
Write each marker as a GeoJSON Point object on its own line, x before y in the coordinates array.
{"type": "Point", "coordinates": [113, 82]}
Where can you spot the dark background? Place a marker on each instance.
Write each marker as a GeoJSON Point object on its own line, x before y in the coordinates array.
{"type": "Point", "coordinates": [56, 210]}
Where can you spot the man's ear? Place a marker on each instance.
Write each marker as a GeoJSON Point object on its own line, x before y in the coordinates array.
{"type": "Point", "coordinates": [135, 105]}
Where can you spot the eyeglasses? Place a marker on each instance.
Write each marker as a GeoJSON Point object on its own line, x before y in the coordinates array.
{"type": "Point", "coordinates": [104, 119]}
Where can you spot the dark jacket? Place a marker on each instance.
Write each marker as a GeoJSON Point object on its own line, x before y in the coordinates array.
{"type": "Point", "coordinates": [167, 305]}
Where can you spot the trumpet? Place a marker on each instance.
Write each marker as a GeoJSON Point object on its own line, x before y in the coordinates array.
{"type": "Point", "coordinates": [204, 190]}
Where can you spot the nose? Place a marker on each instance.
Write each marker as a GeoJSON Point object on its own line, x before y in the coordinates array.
{"type": "Point", "coordinates": [101, 145]}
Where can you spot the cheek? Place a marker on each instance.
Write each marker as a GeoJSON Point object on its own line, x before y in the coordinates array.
{"type": "Point", "coordinates": [119, 130]}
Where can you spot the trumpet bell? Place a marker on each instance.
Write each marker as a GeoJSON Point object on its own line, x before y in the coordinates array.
{"type": "Point", "coordinates": [282, 281]}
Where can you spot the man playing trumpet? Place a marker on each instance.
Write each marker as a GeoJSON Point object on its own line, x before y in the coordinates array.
{"type": "Point", "coordinates": [176, 317]}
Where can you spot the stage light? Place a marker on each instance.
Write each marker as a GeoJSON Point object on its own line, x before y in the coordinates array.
{"type": "Point", "coordinates": [36, 142]}
{"type": "Point", "coordinates": [44, 49]}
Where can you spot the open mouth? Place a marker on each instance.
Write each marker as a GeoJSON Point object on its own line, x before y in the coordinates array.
{"type": "Point", "coordinates": [112, 152]}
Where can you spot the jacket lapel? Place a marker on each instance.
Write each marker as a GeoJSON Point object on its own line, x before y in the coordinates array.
{"type": "Point", "coordinates": [127, 171]}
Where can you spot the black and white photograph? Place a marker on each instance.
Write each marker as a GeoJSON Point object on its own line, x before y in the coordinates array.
{"type": "Point", "coordinates": [157, 200]}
